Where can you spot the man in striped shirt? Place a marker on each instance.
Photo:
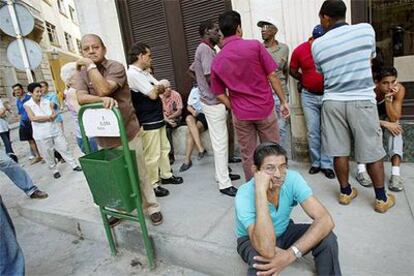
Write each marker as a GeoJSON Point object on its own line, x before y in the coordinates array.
{"type": "Point", "coordinates": [349, 112]}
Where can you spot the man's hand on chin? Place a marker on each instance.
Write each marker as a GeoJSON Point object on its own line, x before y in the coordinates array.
{"type": "Point", "coordinates": [281, 260]}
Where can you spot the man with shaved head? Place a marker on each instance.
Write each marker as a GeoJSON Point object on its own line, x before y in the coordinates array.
{"type": "Point", "coordinates": [100, 80]}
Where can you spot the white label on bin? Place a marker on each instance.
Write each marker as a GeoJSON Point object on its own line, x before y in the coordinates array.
{"type": "Point", "coordinates": [100, 123]}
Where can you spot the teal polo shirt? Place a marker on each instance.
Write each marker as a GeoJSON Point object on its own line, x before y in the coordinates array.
{"type": "Point", "coordinates": [293, 191]}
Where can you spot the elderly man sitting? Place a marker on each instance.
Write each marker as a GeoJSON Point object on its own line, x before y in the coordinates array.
{"type": "Point", "coordinates": [172, 106]}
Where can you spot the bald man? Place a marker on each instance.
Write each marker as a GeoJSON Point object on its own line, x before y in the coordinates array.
{"type": "Point", "coordinates": [100, 80]}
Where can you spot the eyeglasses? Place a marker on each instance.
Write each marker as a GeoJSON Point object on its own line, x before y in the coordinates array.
{"type": "Point", "coordinates": [271, 169]}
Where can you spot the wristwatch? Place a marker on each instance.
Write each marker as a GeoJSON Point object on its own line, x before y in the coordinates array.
{"type": "Point", "coordinates": [296, 251]}
{"type": "Point", "coordinates": [90, 67]}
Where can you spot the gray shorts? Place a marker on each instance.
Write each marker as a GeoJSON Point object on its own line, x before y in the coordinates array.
{"type": "Point", "coordinates": [394, 144]}
{"type": "Point", "coordinates": [344, 122]}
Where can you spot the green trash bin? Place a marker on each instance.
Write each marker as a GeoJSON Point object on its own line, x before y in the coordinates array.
{"type": "Point", "coordinates": [113, 179]}
{"type": "Point", "coordinates": [107, 175]}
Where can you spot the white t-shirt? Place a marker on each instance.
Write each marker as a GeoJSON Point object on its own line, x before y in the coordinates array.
{"type": "Point", "coordinates": [45, 129]}
{"type": "Point", "coordinates": [4, 125]}
{"type": "Point", "coordinates": [139, 80]}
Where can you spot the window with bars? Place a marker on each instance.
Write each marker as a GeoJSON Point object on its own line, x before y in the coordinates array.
{"type": "Point", "coordinates": [72, 13]}
{"type": "Point", "coordinates": [78, 43]}
{"type": "Point", "coordinates": [69, 42]}
{"type": "Point", "coordinates": [52, 34]}
{"type": "Point", "coordinates": [61, 6]}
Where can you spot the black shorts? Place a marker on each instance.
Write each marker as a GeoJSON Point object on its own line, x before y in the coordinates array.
{"type": "Point", "coordinates": [202, 119]}
{"type": "Point", "coordinates": [25, 131]}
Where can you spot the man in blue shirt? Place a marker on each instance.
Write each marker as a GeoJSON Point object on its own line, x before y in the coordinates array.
{"type": "Point", "coordinates": [267, 239]}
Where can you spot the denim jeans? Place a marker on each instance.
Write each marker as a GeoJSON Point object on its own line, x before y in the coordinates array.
{"type": "Point", "coordinates": [92, 143]}
{"type": "Point", "coordinates": [282, 123]}
{"type": "Point", "coordinates": [5, 136]}
{"type": "Point", "coordinates": [16, 174]}
{"type": "Point", "coordinates": [11, 255]}
{"type": "Point", "coordinates": [312, 106]}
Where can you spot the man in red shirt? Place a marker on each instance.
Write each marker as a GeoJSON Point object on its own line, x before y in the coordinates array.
{"type": "Point", "coordinates": [246, 68]}
{"type": "Point", "coordinates": [302, 68]}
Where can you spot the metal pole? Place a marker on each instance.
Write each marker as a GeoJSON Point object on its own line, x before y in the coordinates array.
{"type": "Point", "coordinates": [20, 40]}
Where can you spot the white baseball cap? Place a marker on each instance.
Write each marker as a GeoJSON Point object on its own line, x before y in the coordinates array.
{"type": "Point", "coordinates": [267, 21]}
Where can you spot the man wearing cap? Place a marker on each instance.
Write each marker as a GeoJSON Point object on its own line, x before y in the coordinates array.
{"type": "Point", "coordinates": [280, 53]}
{"type": "Point", "coordinates": [302, 68]}
{"type": "Point", "coordinates": [246, 69]}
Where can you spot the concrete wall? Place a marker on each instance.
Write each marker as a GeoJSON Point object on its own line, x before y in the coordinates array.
{"type": "Point", "coordinates": [105, 24]}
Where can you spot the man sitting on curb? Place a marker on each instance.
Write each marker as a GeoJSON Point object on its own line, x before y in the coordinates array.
{"type": "Point", "coordinates": [267, 238]}
{"type": "Point", "coordinates": [172, 106]}
{"type": "Point", "coordinates": [389, 95]}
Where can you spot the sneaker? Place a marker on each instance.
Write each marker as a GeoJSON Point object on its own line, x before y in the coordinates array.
{"type": "Point", "coordinates": [36, 160]}
{"type": "Point", "coordinates": [201, 155]}
{"type": "Point", "coordinates": [31, 157]}
{"type": "Point", "coordinates": [364, 179]}
{"type": "Point", "coordinates": [185, 166]}
{"type": "Point", "coordinates": [345, 199]}
{"type": "Point", "coordinates": [77, 169]}
{"type": "Point", "coordinates": [156, 218]}
{"type": "Point", "coordinates": [56, 175]}
{"type": "Point", "coordinates": [396, 183]}
{"type": "Point", "coordinates": [172, 180]}
{"type": "Point", "coordinates": [38, 194]}
{"type": "Point", "coordinates": [382, 206]}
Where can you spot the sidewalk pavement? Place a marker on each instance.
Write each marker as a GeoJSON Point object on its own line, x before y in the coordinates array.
{"type": "Point", "coordinates": [198, 228]}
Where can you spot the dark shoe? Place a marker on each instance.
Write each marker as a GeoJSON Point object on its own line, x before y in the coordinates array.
{"type": "Point", "coordinates": [56, 175]}
{"type": "Point", "coordinates": [329, 173]}
{"type": "Point", "coordinates": [172, 180]}
{"type": "Point", "coordinates": [156, 218]}
{"type": "Point", "coordinates": [14, 157]}
{"type": "Point", "coordinates": [38, 194]}
{"type": "Point", "coordinates": [113, 221]}
{"type": "Point", "coordinates": [230, 170]}
{"type": "Point", "coordinates": [235, 159]}
{"type": "Point", "coordinates": [185, 166]}
{"type": "Point", "coordinates": [230, 191]}
{"type": "Point", "coordinates": [77, 169]}
{"type": "Point", "coordinates": [201, 155]}
{"type": "Point", "coordinates": [161, 192]}
{"type": "Point", "coordinates": [314, 170]}
{"type": "Point", "coordinates": [234, 177]}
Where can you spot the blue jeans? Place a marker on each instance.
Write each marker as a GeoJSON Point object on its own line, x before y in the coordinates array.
{"type": "Point", "coordinates": [92, 142]}
{"type": "Point", "coordinates": [16, 174]}
{"type": "Point", "coordinates": [312, 106]}
{"type": "Point", "coordinates": [282, 123]}
{"type": "Point", "coordinates": [11, 255]}
{"type": "Point", "coordinates": [5, 136]}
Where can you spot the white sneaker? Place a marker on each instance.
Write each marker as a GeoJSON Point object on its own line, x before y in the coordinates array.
{"type": "Point", "coordinates": [364, 179]}
{"type": "Point", "coordinates": [396, 183]}
{"type": "Point", "coordinates": [31, 157]}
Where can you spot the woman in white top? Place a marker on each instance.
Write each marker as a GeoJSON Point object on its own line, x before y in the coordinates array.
{"type": "Point", "coordinates": [5, 130]}
{"type": "Point", "coordinates": [46, 132]}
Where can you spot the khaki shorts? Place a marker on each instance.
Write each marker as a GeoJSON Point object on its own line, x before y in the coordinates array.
{"type": "Point", "coordinates": [344, 122]}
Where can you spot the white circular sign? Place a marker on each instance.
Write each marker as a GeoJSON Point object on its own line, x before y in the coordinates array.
{"type": "Point", "coordinates": [34, 54]}
{"type": "Point", "coordinates": [24, 17]}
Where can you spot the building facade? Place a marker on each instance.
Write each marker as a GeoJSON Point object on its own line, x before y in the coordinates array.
{"type": "Point", "coordinates": [57, 32]}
